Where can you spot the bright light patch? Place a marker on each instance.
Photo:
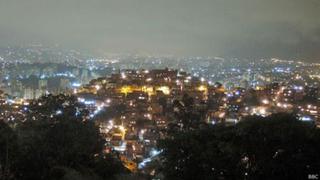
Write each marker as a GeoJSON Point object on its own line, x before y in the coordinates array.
{"type": "Point", "coordinates": [164, 89]}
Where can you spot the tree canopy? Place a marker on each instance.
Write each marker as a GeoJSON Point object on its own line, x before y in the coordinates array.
{"type": "Point", "coordinates": [57, 140]}
{"type": "Point", "coordinates": [8, 145]}
{"type": "Point", "coordinates": [274, 147]}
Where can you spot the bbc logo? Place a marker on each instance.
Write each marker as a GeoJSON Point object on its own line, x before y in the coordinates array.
{"type": "Point", "coordinates": [313, 176]}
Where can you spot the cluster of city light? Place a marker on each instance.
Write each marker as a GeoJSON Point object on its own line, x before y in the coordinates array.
{"type": "Point", "coordinates": [164, 89]}
{"type": "Point", "coordinates": [203, 88]}
{"type": "Point", "coordinates": [150, 90]}
{"type": "Point", "coordinates": [126, 90]}
{"type": "Point", "coordinates": [260, 111]}
{"type": "Point", "coordinates": [147, 89]}
{"type": "Point", "coordinates": [284, 105]}
{"type": "Point", "coordinates": [153, 153]}
{"type": "Point", "coordinates": [311, 109]}
{"type": "Point", "coordinates": [123, 75]}
{"type": "Point", "coordinates": [98, 87]}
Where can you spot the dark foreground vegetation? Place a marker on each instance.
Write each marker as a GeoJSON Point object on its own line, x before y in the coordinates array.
{"type": "Point", "coordinates": [275, 147]}
{"type": "Point", "coordinates": [55, 140]}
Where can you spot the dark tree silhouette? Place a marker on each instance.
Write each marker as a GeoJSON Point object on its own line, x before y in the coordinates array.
{"type": "Point", "coordinates": [58, 139]}
{"type": "Point", "coordinates": [164, 104]}
{"type": "Point", "coordinates": [8, 151]}
{"type": "Point", "coordinates": [275, 147]}
{"type": "Point", "coordinates": [278, 146]}
{"type": "Point", "coordinates": [112, 112]}
{"type": "Point", "coordinates": [186, 116]}
{"type": "Point", "coordinates": [251, 98]}
{"type": "Point", "coordinates": [199, 154]}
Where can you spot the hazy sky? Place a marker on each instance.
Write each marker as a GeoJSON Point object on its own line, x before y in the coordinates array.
{"type": "Point", "coordinates": [242, 28]}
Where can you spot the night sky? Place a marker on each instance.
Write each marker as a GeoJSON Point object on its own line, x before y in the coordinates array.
{"type": "Point", "coordinates": [236, 28]}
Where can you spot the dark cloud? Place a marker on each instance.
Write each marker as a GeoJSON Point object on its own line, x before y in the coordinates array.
{"type": "Point", "coordinates": [244, 28]}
